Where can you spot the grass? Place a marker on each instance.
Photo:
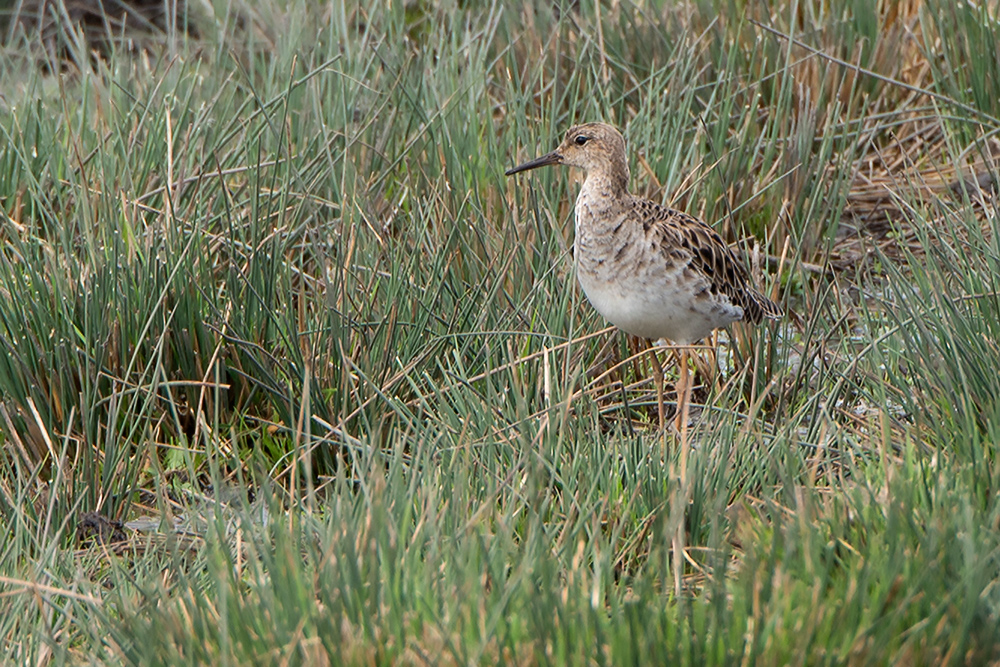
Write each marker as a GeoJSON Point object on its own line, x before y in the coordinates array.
{"type": "Point", "coordinates": [266, 294]}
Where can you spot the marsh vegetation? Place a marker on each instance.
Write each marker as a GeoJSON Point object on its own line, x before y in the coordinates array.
{"type": "Point", "coordinates": [292, 372]}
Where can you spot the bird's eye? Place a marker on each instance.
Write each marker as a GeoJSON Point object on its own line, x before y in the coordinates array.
{"type": "Point", "coordinates": [581, 140]}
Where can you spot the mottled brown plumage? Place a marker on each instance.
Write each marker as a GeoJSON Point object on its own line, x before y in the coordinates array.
{"type": "Point", "coordinates": [707, 254]}
{"type": "Point", "coordinates": [653, 271]}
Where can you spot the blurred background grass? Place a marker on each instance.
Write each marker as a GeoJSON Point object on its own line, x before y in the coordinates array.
{"type": "Point", "coordinates": [293, 373]}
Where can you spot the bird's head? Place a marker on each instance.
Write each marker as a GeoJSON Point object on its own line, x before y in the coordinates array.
{"type": "Point", "coordinates": [597, 148]}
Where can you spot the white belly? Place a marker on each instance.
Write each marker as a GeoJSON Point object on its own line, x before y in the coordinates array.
{"type": "Point", "coordinates": [667, 309]}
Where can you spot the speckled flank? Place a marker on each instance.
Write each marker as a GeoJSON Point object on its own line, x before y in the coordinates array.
{"type": "Point", "coordinates": [650, 270]}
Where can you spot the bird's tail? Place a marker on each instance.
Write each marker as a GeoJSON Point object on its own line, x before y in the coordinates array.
{"type": "Point", "coordinates": [759, 307]}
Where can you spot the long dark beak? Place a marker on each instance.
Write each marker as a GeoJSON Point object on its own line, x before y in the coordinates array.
{"type": "Point", "coordinates": [544, 161]}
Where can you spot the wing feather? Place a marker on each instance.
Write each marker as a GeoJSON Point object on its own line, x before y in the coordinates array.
{"type": "Point", "coordinates": [681, 237]}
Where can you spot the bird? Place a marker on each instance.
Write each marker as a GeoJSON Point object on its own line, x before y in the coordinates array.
{"type": "Point", "coordinates": [652, 271]}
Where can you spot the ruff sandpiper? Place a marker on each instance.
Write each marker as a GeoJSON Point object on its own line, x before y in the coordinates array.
{"type": "Point", "coordinates": [652, 271]}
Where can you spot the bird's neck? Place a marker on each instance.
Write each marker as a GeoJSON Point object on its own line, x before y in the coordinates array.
{"type": "Point", "coordinates": [602, 190]}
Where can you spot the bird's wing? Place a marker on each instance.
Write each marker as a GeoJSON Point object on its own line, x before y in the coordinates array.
{"type": "Point", "coordinates": [682, 237]}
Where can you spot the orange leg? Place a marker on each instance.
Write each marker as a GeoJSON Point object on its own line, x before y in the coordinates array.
{"type": "Point", "coordinates": [658, 379]}
{"type": "Point", "coordinates": [681, 423]}
{"type": "Point", "coordinates": [683, 406]}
